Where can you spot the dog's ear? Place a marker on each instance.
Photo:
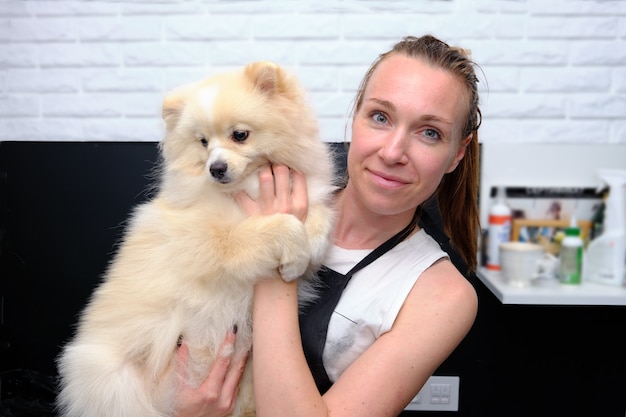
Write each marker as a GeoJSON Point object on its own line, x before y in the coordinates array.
{"type": "Point", "coordinates": [174, 102]}
{"type": "Point", "coordinates": [267, 77]}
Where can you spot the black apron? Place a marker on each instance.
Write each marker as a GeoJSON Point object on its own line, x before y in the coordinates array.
{"type": "Point", "coordinates": [314, 319]}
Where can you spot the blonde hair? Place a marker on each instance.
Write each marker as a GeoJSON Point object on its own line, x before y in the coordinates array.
{"type": "Point", "coordinates": [457, 194]}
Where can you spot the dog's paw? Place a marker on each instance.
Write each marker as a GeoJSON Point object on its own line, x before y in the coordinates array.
{"type": "Point", "coordinates": [294, 263]}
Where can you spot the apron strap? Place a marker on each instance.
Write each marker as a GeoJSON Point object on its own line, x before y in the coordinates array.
{"type": "Point", "coordinates": [315, 318]}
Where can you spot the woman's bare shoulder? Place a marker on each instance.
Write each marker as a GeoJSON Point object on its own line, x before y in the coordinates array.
{"type": "Point", "coordinates": [444, 296]}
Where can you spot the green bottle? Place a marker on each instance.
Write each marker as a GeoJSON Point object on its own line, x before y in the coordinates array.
{"type": "Point", "coordinates": [571, 255]}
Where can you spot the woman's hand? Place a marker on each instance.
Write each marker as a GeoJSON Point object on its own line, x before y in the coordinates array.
{"type": "Point", "coordinates": [216, 396]}
{"type": "Point", "coordinates": [281, 190]}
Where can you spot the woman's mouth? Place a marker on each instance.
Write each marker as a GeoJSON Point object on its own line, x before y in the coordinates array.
{"type": "Point", "coordinates": [385, 180]}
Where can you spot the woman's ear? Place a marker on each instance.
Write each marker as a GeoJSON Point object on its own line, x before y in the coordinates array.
{"type": "Point", "coordinates": [460, 153]}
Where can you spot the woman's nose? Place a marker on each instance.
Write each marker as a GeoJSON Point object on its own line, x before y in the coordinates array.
{"type": "Point", "coordinates": [393, 149]}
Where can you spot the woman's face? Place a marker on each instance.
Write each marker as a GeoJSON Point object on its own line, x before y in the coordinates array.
{"type": "Point", "coordinates": [406, 134]}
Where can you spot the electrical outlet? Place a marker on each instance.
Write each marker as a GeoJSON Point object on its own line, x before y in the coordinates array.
{"type": "Point", "coordinates": [440, 393]}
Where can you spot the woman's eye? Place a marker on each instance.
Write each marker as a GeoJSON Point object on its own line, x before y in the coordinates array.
{"type": "Point", "coordinates": [204, 142]}
{"type": "Point", "coordinates": [431, 134]}
{"type": "Point", "coordinates": [379, 117]}
{"type": "Point", "coordinates": [240, 135]}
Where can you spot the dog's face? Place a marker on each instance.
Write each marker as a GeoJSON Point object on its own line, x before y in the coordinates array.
{"type": "Point", "coordinates": [226, 127]}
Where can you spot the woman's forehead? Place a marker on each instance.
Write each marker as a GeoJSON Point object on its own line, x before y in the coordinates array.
{"type": "Point", "coordinates": [400, 79]}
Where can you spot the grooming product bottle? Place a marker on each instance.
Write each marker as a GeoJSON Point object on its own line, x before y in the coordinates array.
{"type": "Point", "coordinates": [499, 229]}
{"type": "Point", "coordinates": [571, 256]}
{"type": "Point", "coordinates": [605, 257]}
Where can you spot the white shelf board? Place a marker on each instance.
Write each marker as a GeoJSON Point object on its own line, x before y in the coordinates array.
{"type": "Point", "coordinates": [587, 293]}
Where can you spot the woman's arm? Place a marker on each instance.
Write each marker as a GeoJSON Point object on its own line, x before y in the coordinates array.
{"type": "Point", "coordinates": [276, 336]}
{"type": "Point", "coordinates": [437, 314]}
{"type": "Point", "coordinates": [283, 383]}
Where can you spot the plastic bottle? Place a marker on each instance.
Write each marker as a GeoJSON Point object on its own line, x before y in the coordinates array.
{"type": "Point", "coordinates": [499, 229]}
{"type": "Point", "coordinates": [606, 254]}
{"type": "Point", "coordinates": [571, 256]}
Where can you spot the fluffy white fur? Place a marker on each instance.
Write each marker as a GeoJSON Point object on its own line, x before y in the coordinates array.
{"type": "Point", "coordinates": [190, 256]}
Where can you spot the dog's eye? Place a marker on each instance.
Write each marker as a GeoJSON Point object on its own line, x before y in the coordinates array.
{"type": "Point", "coordinates": [204, 142]}
{"type": "Point", "coordinates": [240, 135]}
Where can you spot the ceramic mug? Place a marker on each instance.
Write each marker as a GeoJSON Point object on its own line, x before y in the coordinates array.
{"type": "Point", "coordinates": [523, 262]}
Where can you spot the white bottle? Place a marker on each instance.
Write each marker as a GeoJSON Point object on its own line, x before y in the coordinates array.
{"type": "Point", "coordinates": [571, 256]}
{"type": "Point", "coordinates": [499, 229]}
{"type": "Point", "coordinates": [606, 255]}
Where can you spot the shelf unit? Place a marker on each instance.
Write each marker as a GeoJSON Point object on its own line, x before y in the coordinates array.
{"type": "Point", "coordinates": [587, 293]}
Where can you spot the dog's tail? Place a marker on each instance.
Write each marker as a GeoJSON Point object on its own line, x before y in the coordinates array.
{"type": "Point", "coordinates": [96, 383]}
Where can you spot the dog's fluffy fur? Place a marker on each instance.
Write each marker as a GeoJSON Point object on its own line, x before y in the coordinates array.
{"type": "Point", "coordinates": [191, 256]}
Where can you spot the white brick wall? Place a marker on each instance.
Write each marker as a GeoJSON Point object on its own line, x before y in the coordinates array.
{"type": "Point", "coordinates": [98, 70]}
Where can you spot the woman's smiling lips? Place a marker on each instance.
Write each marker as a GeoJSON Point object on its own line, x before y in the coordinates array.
{"type": "Point", "coordinates": [386, 180]}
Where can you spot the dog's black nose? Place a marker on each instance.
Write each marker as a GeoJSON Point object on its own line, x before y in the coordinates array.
{"type": "Point", "coordinates": [218, 170]}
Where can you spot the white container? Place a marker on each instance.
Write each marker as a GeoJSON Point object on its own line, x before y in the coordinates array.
{"type": "Point", "coordinates": [521, 262]}
{"type": "Point", "coordinates": [606, 255]}
{"type": "Point", "coordinates": [499, 229]}
{"type": "Point", "coordinates": [571, 256]}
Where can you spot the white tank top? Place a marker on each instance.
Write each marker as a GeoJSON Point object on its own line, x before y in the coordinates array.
{"type": "Point", "coordinates": [372, 299]}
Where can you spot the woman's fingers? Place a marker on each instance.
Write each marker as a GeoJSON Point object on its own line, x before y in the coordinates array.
{"type": "Point", "coordinates": [215, 380]}
{"type": "Point", "coordinates": [247, 203]}
{"type": "Point", "coordinates": [182, 356]}
{"type": "Point", "coordinates": [233, 378]}
{"type": "Point", "coordinates": [216, 396]}
{"type": "Point", "coordinates": [267, 190]}
{"type": "Point", "coordinates": [281, 190]}
{"type": "Point", "coordinates": [300, 195]}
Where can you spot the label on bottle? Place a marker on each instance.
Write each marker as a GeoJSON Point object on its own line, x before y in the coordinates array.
{"type": "Point", "coordinates": [499, 232]}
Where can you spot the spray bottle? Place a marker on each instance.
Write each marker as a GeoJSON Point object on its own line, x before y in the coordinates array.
{"type": "Point", "coordinates": [606, 255]}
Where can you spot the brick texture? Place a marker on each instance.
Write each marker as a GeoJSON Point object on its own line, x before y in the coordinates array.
{"type": "Point", "coordinates": [98, 70]}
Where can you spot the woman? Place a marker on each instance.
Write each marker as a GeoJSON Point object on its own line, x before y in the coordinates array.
{"type": "Point", "coordinates": [414, 135]}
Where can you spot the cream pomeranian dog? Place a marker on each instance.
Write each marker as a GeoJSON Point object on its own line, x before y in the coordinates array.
{"type": "Point", "coordinates": [190, 256]}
